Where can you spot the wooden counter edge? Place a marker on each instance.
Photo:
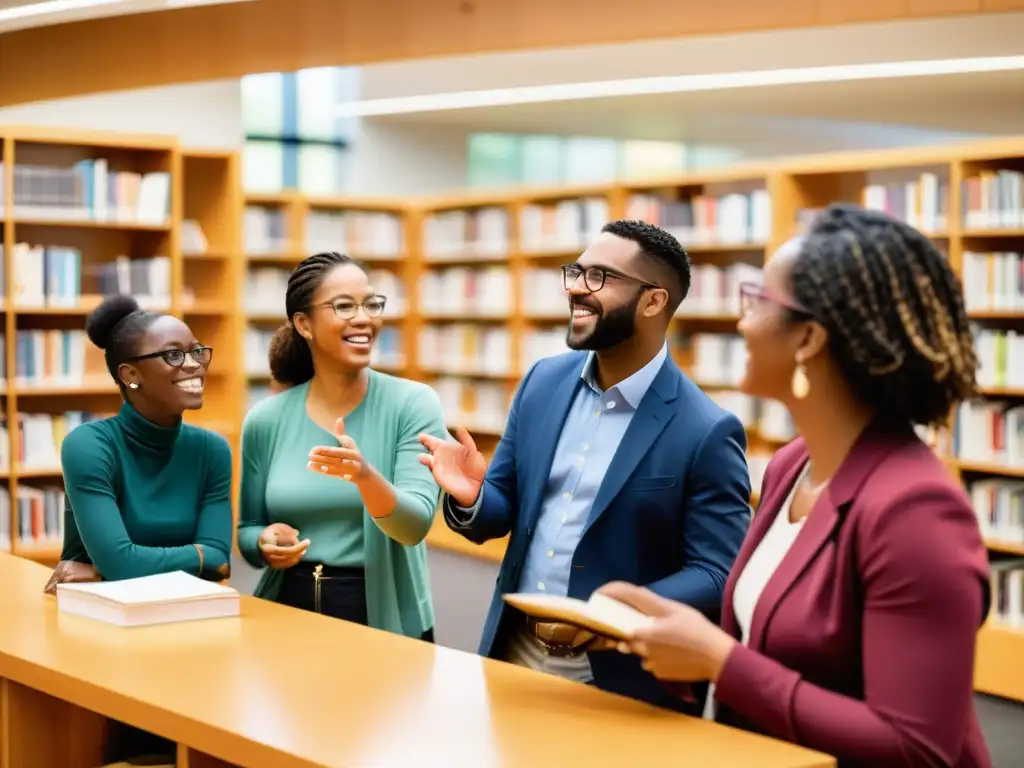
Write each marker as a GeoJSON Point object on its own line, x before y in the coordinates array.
{"type": "Point", "coordinates": [444, 538]}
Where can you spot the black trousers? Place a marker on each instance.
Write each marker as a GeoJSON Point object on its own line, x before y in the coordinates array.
{"type": "Point", "coordinates": [336, 592]}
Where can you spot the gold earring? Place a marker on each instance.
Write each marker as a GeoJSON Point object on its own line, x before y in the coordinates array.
{"type": "Point", "coordinates": [800, 384]}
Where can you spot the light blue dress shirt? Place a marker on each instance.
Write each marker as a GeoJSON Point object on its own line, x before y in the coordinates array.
{"type": "Point", "coordinates": [592, 433]}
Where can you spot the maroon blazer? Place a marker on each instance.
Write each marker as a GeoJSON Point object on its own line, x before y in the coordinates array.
{"type": "Point", "coordinates": [862, 643]}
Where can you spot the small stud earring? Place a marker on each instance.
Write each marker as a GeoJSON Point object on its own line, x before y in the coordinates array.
{"type": "Point", "coordinates": [133, 385]}
{"type": "Point", "coordinates": [800, 384]}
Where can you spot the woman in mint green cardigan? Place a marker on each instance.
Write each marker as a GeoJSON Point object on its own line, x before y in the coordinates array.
{"type": "Point", "coordinates": [334, 499]}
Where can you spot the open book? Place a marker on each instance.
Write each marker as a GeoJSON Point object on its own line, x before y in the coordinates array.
{"type": "Point", "coordinates": [158, 599]}
{"type": "Point", "coordinates": [601, 614]}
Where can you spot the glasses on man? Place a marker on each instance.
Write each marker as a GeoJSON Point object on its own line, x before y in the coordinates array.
{"type": "Point", "coordinates": [594, 277]}
{"type": "Point", "coordinates": [753, 294]}
{"type": "Point", "coordinates": [346, 309]}
{"type": "Point", "coordinates": [176, 357]}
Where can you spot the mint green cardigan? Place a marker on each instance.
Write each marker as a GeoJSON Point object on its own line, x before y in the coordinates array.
{"type": "Point", "coordinates": [276, 486]}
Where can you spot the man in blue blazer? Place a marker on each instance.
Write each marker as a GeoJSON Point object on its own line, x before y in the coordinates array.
{"type": "Point", "coordinates": [613, 466]}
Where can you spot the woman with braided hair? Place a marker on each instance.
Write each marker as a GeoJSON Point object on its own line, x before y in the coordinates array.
{"type": "Point", "coordinates": [334, 500]}
{"type": "Point", "coordinates": [850, 615]}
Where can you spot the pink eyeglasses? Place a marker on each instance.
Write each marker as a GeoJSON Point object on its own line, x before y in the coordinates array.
{"type": "Point", "coordinates": [752, 294]}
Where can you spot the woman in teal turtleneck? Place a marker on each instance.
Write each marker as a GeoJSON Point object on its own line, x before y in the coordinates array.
{"type": "Point", "coordinates": [146, 493]}
{"type": "Point", "coordinates": [334, 499]}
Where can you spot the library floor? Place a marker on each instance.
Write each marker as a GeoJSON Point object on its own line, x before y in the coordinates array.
{"type": "Point", "coordinates": [459, 621]}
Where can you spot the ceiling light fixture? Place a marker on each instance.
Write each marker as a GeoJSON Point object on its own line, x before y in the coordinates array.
{"type": "Point", "coordinates": [49, 7]}
{"type": "Point", "coordinates": [52, 6]}
{"type": "Point", "coordinates": [536, 94]}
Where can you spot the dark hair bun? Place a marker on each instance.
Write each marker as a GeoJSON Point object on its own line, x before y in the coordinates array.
{"type": "Point", "coordinates": [291, 362]}
{"type": "Point", "coordinates": [102, 320]}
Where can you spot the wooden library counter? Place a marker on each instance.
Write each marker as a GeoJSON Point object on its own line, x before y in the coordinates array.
{"type": "Point", "coordinates": [288, 688]}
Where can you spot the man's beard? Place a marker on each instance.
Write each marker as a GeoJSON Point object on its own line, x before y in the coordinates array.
{"type": "Point", "coordinates": [610, 329]}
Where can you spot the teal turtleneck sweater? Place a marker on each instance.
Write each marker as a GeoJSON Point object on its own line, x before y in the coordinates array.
{"type": "Point", "coordinates": [141, 496]}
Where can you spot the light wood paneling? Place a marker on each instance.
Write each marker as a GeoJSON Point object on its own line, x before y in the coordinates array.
{"type": "Point", "coordinates": [213, 42]}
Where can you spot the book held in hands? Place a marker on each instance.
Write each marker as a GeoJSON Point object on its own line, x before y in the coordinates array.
{"type": "Point", "coordinates": [601, 614]}
{"type": "Point", "coordinates": [159, 599]}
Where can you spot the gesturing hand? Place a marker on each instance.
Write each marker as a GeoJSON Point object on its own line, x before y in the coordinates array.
{"type": "Point", "coordinates": [681, 645]}
{"type": "Point", "coordinates": [459, 468]}
{"type": "Point", "coordinates": [280, 546]}
{"type": "Point", "coordinates": [344, 461]}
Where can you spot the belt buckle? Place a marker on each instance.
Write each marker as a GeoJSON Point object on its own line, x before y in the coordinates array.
{"type": "Point", "coordinates": [553, 648]}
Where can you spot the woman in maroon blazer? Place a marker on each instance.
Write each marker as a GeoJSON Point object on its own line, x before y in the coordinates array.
{"type": "Point", "coordinates": [850, 616]}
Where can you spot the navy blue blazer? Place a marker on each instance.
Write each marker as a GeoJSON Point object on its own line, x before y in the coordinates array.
{"type": "Point", "coordinates": [671, 513]}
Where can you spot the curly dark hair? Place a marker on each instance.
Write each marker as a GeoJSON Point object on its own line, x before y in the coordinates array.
{"type": "Point", "coordinates": [663, 250]}
{"type": "Point", "coordinates": [117, 326]}
{"type": "Point", "coordinates": [894, 311]}
{"type": "Point", "coordinates": [291, 361]}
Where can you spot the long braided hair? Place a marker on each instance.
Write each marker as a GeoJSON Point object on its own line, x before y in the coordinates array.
{"type": "Point", "coordinates": [894, 311]}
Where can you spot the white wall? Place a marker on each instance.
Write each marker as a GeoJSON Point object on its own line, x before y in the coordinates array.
{"type": "Point", "coordinates": [386, 160]}
{"type": "Point", "coordinates": [205, 114]}
{"type": "Point", "coordinates": [395, 160]}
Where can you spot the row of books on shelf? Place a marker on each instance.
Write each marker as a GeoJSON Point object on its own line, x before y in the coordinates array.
{"type": "Point", "coordinates": [734, 218]}
{"type": "Point", "coordinates": [474, 350]}
{"type": "Point", "coordinates": [54, 357]}
{"type": "Point", "coordinates": [473, 405]}
{"type": "Point", "coordinates": [989, 432]}
{"type": "Point", "coordinates": [999, 504]}
{"type": "Point", "coordinates": [484, 232]}
{"type": "Point", "coordinates": [40, 436]}
{"type": "Point", "coordinates": [52, 276]}
{"type": "Point", "coordinates": [741, 218]}
{"type": "Point", "coordinates": [993, 199]}
{"type": "Point", "coordinates": [1007, 580]}
{"type": "Point", "coordinates": [90, 190]}
{"type": "Point", "coordinates": [387, 351]}
{"type": "Point", "coordinates": [993, 281]}
{"type": "Point", "coordinates": [923, 203]}
{"type": "Point", "coordinates": [265, 289]}
{"type": "Point", "coordinates": [266, 230]}
{"type": "Point", "coordinates": [462, 291]}
{"type": "Point", "coordinates": [768, 418]}
{"type": "Point", "coordinates": [38, 519]}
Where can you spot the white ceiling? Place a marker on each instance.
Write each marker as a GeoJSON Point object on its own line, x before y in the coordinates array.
{"type": "Point", "coordinates": [763, 120]}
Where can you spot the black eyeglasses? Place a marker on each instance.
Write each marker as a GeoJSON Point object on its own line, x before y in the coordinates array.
{"type": "Point", "coordinates": [594, 277]}
{"type": "Point", "coordinates": [346, 309]}
{"type": "Point", "coordinates": [176, 357]}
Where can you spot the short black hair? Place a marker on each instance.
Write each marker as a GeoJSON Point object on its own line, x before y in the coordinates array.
{"type": "Point", "coordinates": [894, 311]}
{"type": "Point", "coordinates": [291, 360]}
{"type": "Point", "coordinates": [117, 326]}
{"type": "Point", "coordinates": [662, 248]}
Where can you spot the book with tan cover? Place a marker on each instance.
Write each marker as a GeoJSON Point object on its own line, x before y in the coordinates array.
{"type": "Point", "coordinates": [601, 614]}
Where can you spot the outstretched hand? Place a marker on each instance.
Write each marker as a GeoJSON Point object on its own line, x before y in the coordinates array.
{"type": "Point", "coordinates": [458, 467]}
{"type": "Point", "coordinates": [344, 460]}
{"type": "Point", "coordinates": [680, 645]}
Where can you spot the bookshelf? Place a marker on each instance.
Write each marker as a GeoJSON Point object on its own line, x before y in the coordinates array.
{"type": "Point", "coordinates": [474, 297]}
{"type": "Point", "coordinates": [84, 215]}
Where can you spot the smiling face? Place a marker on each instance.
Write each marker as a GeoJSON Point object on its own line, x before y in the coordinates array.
{"type": "Point", "coordinates": [164, 386]}
{"type": "Point", "coordinates": [776, 332]}
{"type": "Point", "coordinates": [605, 317]}
{"type": "Point", "coordinates": [340, 324]}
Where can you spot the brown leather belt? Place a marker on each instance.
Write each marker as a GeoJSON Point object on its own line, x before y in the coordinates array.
{"type": "Point", "coordinates": [559, 639]}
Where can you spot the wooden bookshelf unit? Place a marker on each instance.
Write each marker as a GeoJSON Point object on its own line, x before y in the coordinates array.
{"type": "Point", "coordinates": [84, 215]}
{"type": "Point", "coordinates": [474, 296]}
